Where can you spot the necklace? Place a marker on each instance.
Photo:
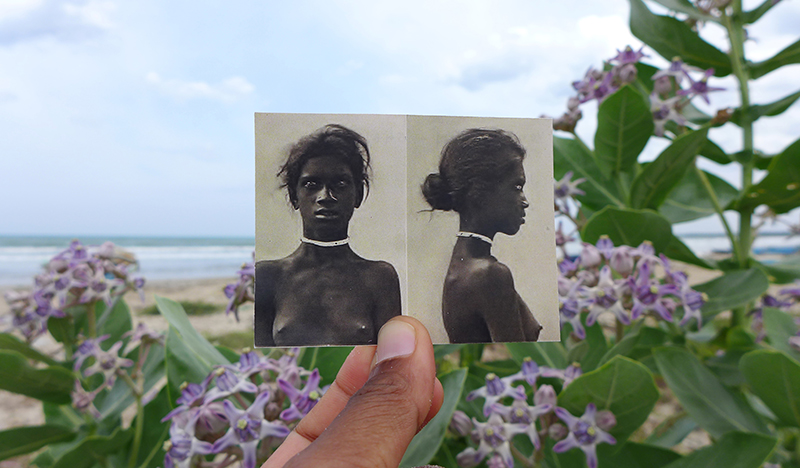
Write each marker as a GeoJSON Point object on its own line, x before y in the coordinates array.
{"type": "Point", "coordinates": [319, 243]}
{"type": "Point", "coordinates": [475, 235]}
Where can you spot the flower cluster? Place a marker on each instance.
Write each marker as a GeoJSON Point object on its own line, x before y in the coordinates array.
{"type": "Point", "coordinates": [493, 436]}
{"type": "Point", "coordinates": [78, 275]}
{"type": "Point", "coordinates": [784, 300]}
{"type": "Point", "coordinates": [241, 291]}
{"type": "Point", "coordinates": [111, 365]}
{"type": "Point", "coordinates": [668, 97]}
{"type": "Point", "coordinates": [599, 84]}
{"type": "Point", "coordinates": [623, 280]}
{"type": "Point", "coordinates": [243, 410]}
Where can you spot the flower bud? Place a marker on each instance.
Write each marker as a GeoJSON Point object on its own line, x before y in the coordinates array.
{"type": "Point", "coordinates": [627, 73]}
{"type": "Point", "coordinates": [573, 103]}
{"type": "Point", "coordinates": [605, 245]}
{"type": "Point", "coordinates": [557, 431]}
{"type": "Point", "coordinates": [605, 420]}
{"type": "Point", "coordinates": [590, 256]}
{"type": "Point", "coordinates": [212, 420]}
{"type": "Point", "coordinates": [564, 286]}
{"type": "Point", "coordinates": [496, 461]}
{"type": "Point", "coordinates": [545, 395]}
{"type": "Point", "coordinates": [588, 278]}
{"type": "Point", "coordinates": [461, 424]}
{"type": "Point", "coordinates": [663, 86]}
{"type": "Point", "coordinates": [621, 260]}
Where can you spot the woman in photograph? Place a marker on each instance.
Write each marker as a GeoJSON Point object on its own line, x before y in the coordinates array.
{"type": "Point", "coordinates": [481, 177]}
{"type": "Point", "coordinates": [324, 293]}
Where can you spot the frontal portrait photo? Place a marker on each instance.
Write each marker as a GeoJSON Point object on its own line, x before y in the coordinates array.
{"type": "Point", "coordinates": [360, 218]}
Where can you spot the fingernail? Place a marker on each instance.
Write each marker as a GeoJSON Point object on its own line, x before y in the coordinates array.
{"type": "Point", "coordinates": [396, 339]}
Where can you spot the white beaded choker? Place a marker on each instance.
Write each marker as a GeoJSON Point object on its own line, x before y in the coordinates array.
{"type": "Point", "coordinates": [475, 235]}
{"type": "Point", "coordinates": [319, 243]}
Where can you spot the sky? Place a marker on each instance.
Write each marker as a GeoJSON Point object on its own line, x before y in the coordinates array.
{"type": "Point", "coordinates": [136, 118]}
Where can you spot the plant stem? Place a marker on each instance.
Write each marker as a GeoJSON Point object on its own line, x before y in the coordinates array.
{"type": "Point", "coordinates": [620, 330]}
{"type": "Point", "coordinates": [90, 316]}
{"type": "Point", "coordinates": [137, 435]}
{"type": "Point", "coordinates": [735, 26]}
{"type": "Point", "coordinates": [718, 208]}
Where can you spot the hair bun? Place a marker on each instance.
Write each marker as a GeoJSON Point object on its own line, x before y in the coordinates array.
{"type": "Point", "coordinates": [437, 192]}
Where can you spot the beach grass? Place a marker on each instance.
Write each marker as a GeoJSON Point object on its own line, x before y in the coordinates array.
{"type": "Point", "coordinates": [191, 307]}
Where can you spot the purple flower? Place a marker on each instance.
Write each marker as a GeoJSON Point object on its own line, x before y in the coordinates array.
{"type": "Point", "coordinates": [301, 400]}
{"type": "Point", "coordinates": [571, 304]}
{"type": "Point", "coordinates": [606, 299]}
{"type": "Point", "coordinates": [584, 433]}
{"type": "Point", "coordinates": [228, 383]}
{"type": "Point", "coordinates": [590, 256]}
{"type": "Point", "coordinates": [183, 445]}
{"type": "Point", "coordinates": [677, 69]}
{"type": "Point", "coordinates": [497, 388]}
{"type": "Point", "coordinates": [665, 110]}
{"type": "Point", "coordinates": [493, 437]}
{"type": "Point", "coordinates": [108, 363]}
{"type": "Point", "coordinates": [247, 429]}
{"type": "Point", "coordinates": [566, 187]}
{"type": "Point", "coordinates": [192, 395]}
{"type": "Point", "coordinates": [461, 424]}
{"type": "Point", "coordinates": [793, 292]}
{"type": "Point", "coordinates": [648, 295]}
{"type": "Point", "coordinates": [700, 87]}
{"type": "Point", "coordinates": [606, 246]}
{"type": "Point", "coordinates": [628, 55]}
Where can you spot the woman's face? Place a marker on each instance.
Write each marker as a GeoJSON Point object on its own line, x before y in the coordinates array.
{"type": "Point", "coordinates": [503, 208]}
{"type": "Point", "coordinates": [327, 193]}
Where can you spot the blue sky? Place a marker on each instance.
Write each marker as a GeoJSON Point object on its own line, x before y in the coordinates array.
{"type": "Point", "coordinates": [136, 118]}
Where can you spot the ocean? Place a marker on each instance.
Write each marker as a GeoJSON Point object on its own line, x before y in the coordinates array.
{"type": "Point", "coordinates": [21, 257]}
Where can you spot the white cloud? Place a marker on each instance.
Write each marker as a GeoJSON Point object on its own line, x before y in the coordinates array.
{"type": "Point", "coordinates": [228, 90]}
{"type": "Point", "coordinates": [64, 21]}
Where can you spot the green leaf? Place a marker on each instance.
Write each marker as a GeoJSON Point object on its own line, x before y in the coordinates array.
{"type": "Point", "coordinates": [713, 152]}
{"type": "Point", "coordinates": [93, 449]}
{"type": "Point", "coordinates": [755, 14]}
{"type": "Point", "coordinates": [789, 55]}
{"type": "Point", "coordinates": [715, 408]}
{"type": "Point", "coordinates": [624, 126]}
{"type": "Point", "coordinates": [780, 189]}
{"type": "Point", "coordinates": [671, 37]}
{"type": "Point", "coordinates": [571, 155]}
{"type": "Point", "coordinates": [760, 110]}
{"type": "Point", "coordinates": [328, 360]}
{"type": "Point", "coordinates": [623, 386]}
{"type": "Point", "coordinates": [686, 7]}
{"type": "Point", "coordinates": [21, 440]}
{"type": "Point", "coordinates": [182, 364]}
{"type": "Point", "coordinates": [596, 346]}
{"type": "Point", "coordinates": [426, 443]}
{"type": "Point", "coordinates": [690, 200]}
{"type": "Point", "coordinates": [775, 378]}
{"type": "Point", "coordinates": [12, 343]}
{"type": "Point", "coordinates": [634, 455]}
{"type": "Point", "coordinates": [440, 351]}
{"type": "Point", "coordinates": [782, 271]}
{"type": "Point", "coordinates": [731, 290]}
{"type": "Point", "coordinates": [779, 327]}
{"type": "Point", "coordinates": [679, 251]}
{"type": "Point", "coordinates": [115, 322]}
{"type": "Point", "coordinates": [552, 355]}
{"type": "Point", "coordinates": [194, 341]}
{"type": "Point", "coordinates": [656, 181]}
{"type": "Point", "coordinates": [628, 227]}
{"type": "Point", "coordinates": [671, 432]}
{"type": "Point", "coordinates": [733, 450]}
{"type": "Point", "coordinates": [636, 345]}
{"type": "Point", "coordinates": [52, 384]}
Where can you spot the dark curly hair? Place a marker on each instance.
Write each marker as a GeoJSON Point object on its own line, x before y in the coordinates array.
{"type": "Point", "coordinates": [471, 164]}
{"type": "Point", "coordinates": [331, 140]}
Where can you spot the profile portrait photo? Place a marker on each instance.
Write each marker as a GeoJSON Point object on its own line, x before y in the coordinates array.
{"type": "Point", "coordinates": [482, 260]}
{"type": "Point", "coordinates": [330, 227]}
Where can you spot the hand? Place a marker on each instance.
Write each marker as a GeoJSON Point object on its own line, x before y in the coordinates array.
{"type": "Point", "coordinates": [381, 398]}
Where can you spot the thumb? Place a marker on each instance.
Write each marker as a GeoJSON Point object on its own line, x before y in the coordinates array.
{"type": "Point", "coordinates": [401, 395]}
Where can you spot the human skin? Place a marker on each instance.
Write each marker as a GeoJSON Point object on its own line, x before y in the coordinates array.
{"type": "Point", "coordinates": [324, 295]}
{"type": "Point", "coordinates": [381, 398]}
{"type": "Point", "coordinates": [480, 303]}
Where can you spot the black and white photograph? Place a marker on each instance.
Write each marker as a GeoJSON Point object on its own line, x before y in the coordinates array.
{"type": "Point", "coordinates": [330, 227]}
{"type": "Point", "coordinates": [480, 229]}
{"type": "Point", "coordinates": [360, 218]}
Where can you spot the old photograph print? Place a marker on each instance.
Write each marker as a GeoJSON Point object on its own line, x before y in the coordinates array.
{"type": "Point", "coordinates": [350, 232]}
